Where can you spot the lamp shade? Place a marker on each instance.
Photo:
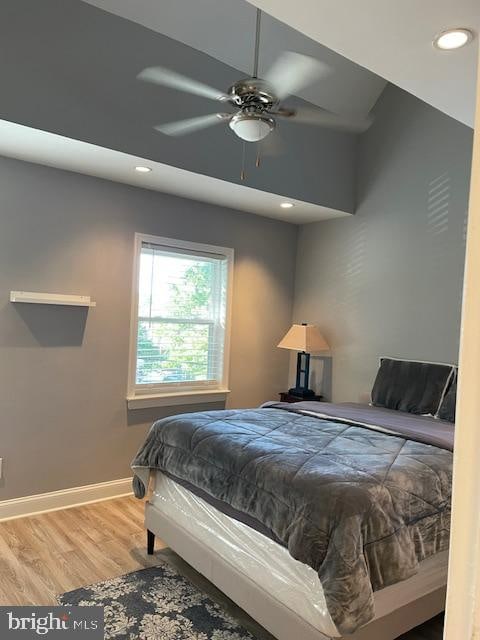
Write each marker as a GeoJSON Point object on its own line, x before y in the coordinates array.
{"type": "Point", "coordinates": [304, 337]}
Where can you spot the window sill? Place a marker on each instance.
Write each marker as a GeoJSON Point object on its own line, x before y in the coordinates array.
{"type": "Point", "coordinates": [176, 398]}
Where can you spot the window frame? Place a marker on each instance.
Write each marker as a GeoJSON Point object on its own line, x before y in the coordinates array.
{"type": "Point", "coordinates": [165, 394]}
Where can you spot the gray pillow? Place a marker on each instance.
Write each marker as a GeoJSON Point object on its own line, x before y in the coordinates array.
{"type": "Point", "coordinates": [446, 411]}
{"type": "Point", "coordinates": [414, 387]}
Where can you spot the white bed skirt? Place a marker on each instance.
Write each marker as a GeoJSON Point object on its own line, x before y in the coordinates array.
{"type": "Point", "coordinates": [285, 596]}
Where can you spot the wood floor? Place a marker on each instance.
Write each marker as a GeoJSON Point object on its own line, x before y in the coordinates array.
{"type": "Point", "coordinates": [48, 554]}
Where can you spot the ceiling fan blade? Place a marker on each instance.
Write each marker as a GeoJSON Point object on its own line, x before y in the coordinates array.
{"type": "Point", "coordinates": [294, 71]}
{"type": "Point", "coordinates": [323, 118]}
{"type": "Point", "coordinates": [168, 78]}
{"type": "Point", "coordinates": [182, 127]}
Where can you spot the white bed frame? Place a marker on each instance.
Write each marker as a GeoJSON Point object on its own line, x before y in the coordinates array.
{"type": "Point", "coordinates": [281, 622]}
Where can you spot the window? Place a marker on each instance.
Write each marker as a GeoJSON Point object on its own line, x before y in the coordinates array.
{"type": "Point", "coordinates": [180, 322]}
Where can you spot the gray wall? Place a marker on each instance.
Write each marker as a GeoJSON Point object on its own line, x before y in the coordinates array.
{"type": "Point", "coordinates": [388, 281]}
{"type": "Point", "coordinates": [384, 282]}
{"type": "Point", "coordinates": [74, 74]}
{"type": "Point", "coordinates": [63, 371]}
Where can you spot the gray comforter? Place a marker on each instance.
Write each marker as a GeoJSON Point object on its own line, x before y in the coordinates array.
{"type": "Point", "coordinates": [362, 505]}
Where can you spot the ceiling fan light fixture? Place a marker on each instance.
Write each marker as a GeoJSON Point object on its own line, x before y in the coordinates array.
{"type": "Point", "coordinates": [251, 128]}
{"type": "Point", "coordinates": [453, 39]}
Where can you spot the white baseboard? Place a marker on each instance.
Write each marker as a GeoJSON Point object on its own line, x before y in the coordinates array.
{"type": "Point", "coordinates": [64, 499]}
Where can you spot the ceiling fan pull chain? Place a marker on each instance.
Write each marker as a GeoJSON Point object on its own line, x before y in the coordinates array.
{"type": "Point", "coordinates": [257, 44]}
{"type": "Point", "coordinates": [258, 158]}
{"type": "Point", "coordinates": [242, 173]}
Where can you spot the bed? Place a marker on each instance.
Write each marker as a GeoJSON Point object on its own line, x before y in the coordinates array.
{"type": "Point", "coordinates": [321, 521]}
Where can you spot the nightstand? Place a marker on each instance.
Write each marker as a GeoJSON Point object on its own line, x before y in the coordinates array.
{"type": "Point", "coordinates": [286, 397]}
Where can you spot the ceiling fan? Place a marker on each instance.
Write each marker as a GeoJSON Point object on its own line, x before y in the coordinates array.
{"type": "Point", "coordinates": [257, 102]}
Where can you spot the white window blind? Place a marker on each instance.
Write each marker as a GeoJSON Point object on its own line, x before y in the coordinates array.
{"type": "Point", "coordinates": [182, 309]}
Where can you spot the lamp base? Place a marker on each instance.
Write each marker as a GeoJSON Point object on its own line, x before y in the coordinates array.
{"type": "Point", "coordinates": [301, 392]}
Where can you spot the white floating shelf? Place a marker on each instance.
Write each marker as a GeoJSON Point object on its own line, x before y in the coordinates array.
{"type": "Point", "coordinates": [51, 298]}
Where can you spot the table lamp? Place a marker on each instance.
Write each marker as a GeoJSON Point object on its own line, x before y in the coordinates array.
{"type": "Point", "coordinates": [303, 338]}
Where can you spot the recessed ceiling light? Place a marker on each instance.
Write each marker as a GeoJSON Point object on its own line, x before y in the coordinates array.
{"type": "Point", "coordinates": [286, 205]}
{"type": "Point", "coordinates": [452, 39]}
{"type": "Point", "coordinates": [143, 169]}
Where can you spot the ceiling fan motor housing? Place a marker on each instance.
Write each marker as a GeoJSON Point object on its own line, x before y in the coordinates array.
{"type": "Point", "coordinates": [253, 92]}
{"type": "Point", "coordinates": [255, 98]}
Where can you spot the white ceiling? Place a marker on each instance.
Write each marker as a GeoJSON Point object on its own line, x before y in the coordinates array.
{"type": "Point", "coordinates": [42, 147]}
{"type": "Point", "coordinates": [393, 38]}
{"type": "Point", "coordinates": [225, 30]}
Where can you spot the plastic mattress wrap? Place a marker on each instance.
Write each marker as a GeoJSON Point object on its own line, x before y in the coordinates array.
{"type": "Point", "coordinates": [292, 583]}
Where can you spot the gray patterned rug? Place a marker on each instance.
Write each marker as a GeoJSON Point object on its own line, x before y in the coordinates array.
{"type": "Point", "coordinates": [157, 604]}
